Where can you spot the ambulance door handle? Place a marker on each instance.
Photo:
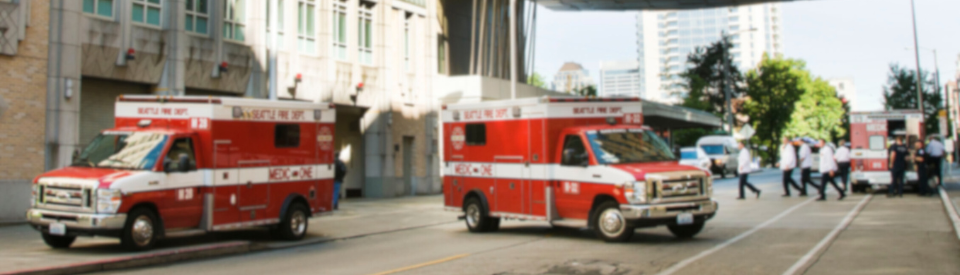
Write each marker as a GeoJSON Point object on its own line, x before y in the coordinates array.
{"type": "Point", "coordinates": [596, 176]}
{"type": "Point", "coordinates": [511, 186]}
{"type": "Point", "coordinates": [249, 184]}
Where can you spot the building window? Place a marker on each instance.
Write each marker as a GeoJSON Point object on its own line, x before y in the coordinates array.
{"type": "Point", "coordinates": [146, 12]}
{"type": "Point", "coordinates": [407, 44]}
{"type": "Point", "coordinates": [306, 23]}
{"type": "Point", "coordinates": [365, 33]}
{"type": "Point", "coordinates": [99, 7]}
{"type": "Point", "coordinates": [234, 15]}
{"type": "Point", "coordinates": [441, 54]}
{"type": "Point", "coordinates": [279, 28]}
{"type": "Point", "coordinates": [198, 16]}
{"type": "Point", "coordinates": [340, 29]}
{"type": "Point", "coordinates": [286, 136]}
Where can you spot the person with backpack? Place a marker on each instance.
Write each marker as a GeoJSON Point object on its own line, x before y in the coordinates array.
{"type": "Point", "coordinates": [339, 172]}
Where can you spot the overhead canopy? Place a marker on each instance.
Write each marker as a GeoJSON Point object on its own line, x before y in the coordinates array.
{"type": "Point", "coordinates": [662, 116]}
{"type": "Point", "coordinates": [619, 5]}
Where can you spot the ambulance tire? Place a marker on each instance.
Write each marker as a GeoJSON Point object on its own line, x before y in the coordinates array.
{"type": "Point", "coordinates": [58, 242]}
{"type": "Point", "coordinates": [609, 223]}
{"type": "Point", "coordinates": [140, 231]}
{"type": "Point", "coordinates": [477, 217]}
{"type": "Point", "coordinates": [686, 231]}
{"type": "Point", "coordinates": [293, 227]}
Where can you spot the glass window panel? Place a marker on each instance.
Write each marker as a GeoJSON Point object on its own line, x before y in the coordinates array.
{"type": "Point", "coordinates": [300, 20]}
{"type": "Point", "coordinates": [280, 14]}
{"type": "Point", "coordinates": [202, 25]}
{"type": "Point", "coordinates": [239, 33]}
{"type": "Point", "coordinates": [368, 33]}
{"type": "Point", "coordinates": [105, 7]}
{"type": "Point", "coordinates": [240, 13]}
{"type": "Point", "coordinates": [154, 1]}
{"type": "Point", "coordinates": [153, 16]}
{"type": "Point", "coordinates": [310, 20]}
{"type": "Point", "coordinates": [343, 27]}
{"type": "Point", "coordinates": [88, 6]}
{"type": "Point", "coordinates": [202, 6]}
{"type": "Point", "coordinates": [188, 25]}
{"type": "Point", "coordinates": [137, 13]}
{"type": "Point", "coordinates": [227, 30]}
{"type": "Point", "coordinates": [190, 5]}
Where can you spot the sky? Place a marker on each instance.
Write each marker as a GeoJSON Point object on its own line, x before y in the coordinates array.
{"type": "Point", "coordinates": [855, 39]}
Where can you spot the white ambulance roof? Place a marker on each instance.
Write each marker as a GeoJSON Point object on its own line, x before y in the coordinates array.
{"type": "Point", "coordinates": [229, 101]}
{"type": "Point", "coordinates": [535, 101]}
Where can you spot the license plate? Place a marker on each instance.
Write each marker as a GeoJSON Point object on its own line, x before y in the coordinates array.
{"type": "Point", "coordinates": [685, 218]}
{"type": "Point", "coordinates": [58, 229]}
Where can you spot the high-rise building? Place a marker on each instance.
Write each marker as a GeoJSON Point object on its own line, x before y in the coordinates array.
{"type": "Point", "coordinates": [847, 90]}
{"type": "Point", "coordinates": [571, 77]}
{"type": "Point", "coordinates": [620, 78]}
{"type": "Point", "coordinates": [666, 38]}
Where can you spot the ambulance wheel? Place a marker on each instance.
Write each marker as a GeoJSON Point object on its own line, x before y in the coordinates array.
{"type": "Point", "coordinates": [140, 230]}
{"type": "Point", "coordinates": [477, 217]}
{"type": "Point", "coordinates": [686, 231]}
{"type": "Point", "coordinates": [58, 242]}
{"type": "Point", "coordinates": [609, 223]}
{"type": "Point", "coordinates": [294, 225]}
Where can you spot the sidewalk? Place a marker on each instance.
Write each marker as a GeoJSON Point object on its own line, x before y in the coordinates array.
{"type": "Point", "coordinates": [23, 251]}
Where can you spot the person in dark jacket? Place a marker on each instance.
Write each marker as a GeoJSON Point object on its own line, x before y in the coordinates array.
{"type": "Point", "coordinates": [920, 158]}
{"type": "Point", "coordinates": [338, 174]}
{"type": "Point", "coordinates": [898, 166]}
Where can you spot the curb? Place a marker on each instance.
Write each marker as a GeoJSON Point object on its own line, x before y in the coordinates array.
{"type": "Point", "coordinates": [193, 253]}
{"type": "Point", "coordinates": [951, 209]}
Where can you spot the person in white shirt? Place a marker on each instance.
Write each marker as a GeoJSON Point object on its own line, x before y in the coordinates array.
{"type": "Point", "coordinates": [788, 161]}
{"type": "Point", "coordinates": [806, 162]}
{"type": "Point", "coordinates": [828, 168]}
{"type": "Point", "coordinates": [842, 156]}
{"type": "Point", "coordinates": [935, 157]}
{"type": "Point", "coordinates": [744, 170]}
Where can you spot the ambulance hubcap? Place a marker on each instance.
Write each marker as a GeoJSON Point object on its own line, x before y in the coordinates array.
{"type": "Point", "coordinates": [612, 222]}
{"type": "Point", "coordinates": [473, 215]}
{"type": "Point", "coordinates": [298, 223]}
{"type": "Point", "coordinates": [142, 231]}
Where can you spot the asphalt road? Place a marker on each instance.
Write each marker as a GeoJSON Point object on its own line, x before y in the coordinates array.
{"type": "Point", "coordinates": [770, 235]}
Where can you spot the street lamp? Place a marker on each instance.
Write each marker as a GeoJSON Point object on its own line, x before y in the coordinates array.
{"type": "Point", "coordinates": [723, 75]}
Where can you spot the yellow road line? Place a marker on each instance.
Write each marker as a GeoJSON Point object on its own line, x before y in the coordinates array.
{"type": "Point", "coordinates": [412, 267]}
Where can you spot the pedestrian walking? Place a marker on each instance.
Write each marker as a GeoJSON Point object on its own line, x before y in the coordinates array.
{"type": "Point", "coordinates": [806, 163]}
{"type": "Point", "coordinates": [828, 170]}
{"type": "Point", "coordinates": [788, 161]}
{"type": "Point", "coordinates": [920, 159]}
{"type": "Point", "coordinates": [744, 170]}
{"type": "Point", "coordinates": [898, 167]}
{"type": "Point", "coordinates": [842, 156]}
{"type": "Point", "coordinates": [935, 158]}
{"type": "Point", "coordinates": [338, 174]}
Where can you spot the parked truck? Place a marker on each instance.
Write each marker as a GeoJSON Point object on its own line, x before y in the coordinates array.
{"type": "Point", "coordinates": [871, 134]}
{"type": "Point", "coordinates": [572, 162]}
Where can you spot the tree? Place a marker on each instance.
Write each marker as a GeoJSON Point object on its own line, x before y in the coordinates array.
{"type": "Point", "coordinates": [712, 66]}
{"type": "Point", "coordinates": [536, 80]}
{"type": "Point", "coordinates": [586, 91]}
{"type": "Point", "coordinates": [773, 90]}
{"type": "Point", "coordinates": [819, 113]}
{"type": "Point", "coordinates": [901, 93]}
{"type": "Point", "coordinates": [694, 99]}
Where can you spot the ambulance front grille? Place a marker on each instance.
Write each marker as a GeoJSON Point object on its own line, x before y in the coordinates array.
{"type": "Point", "coordinates": [65, 198]}
{"type": "Point", "coordinates": [679, 186]}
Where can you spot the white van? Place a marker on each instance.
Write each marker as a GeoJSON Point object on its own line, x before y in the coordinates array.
{"type": "Point", "coordinates": [696, 157]}
{"type": "Point", "coordinates": [723, 153]}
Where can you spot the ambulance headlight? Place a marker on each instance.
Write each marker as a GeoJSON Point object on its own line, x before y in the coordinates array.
{"type": "Point", "coordinates": [635, 192]}
{"type": "Point", "coordinates": [108, 200]}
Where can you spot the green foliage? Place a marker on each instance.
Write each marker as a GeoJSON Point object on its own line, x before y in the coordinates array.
{"type": "Point", "coordinates": [819, 113]}
{"type": "Point", "coordinates": [695, 99]}
{"type": "Point", "coordinates": [586, 91]}
{"type": "Point", "coordinates": [901, 93]}
{"type": "Point", "coordinates": [773, 90]}
{"type": "Point", "coordinates": [536, 80]}
{"type": "Point", "coordinates": [712, 66]}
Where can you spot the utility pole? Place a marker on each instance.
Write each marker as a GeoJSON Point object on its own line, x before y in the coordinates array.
{"type": "Point", "coordinates": [916, 49]}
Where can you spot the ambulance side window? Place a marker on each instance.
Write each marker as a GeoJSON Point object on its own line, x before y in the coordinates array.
{"type": "Point", "coordinates": [286, 136]}
{"type": "Point", "coordinates": [573, 149]}
{"type": "Point", "coordinates": [877, 142]}
{"type": "Point", "coordinates": [181, 146]}
{"type": "Point", "coordinates": [476, 134]}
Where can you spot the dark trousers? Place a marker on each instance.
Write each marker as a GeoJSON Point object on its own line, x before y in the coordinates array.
{"type": "Point", "coordinates": [824, 178]}
{"type": "Point", "coordinates": [805, 179]}
{"type": "Point", "coordinates": [935, 166]}
{"type": "Point", "coordinates": [923, 182]}
{"type": "Point", "coordinates": [896, 185]}
{"type": "Point", "coordinates": [843, 172]}
{"type": "Point", "coordinates": [788, 181]}
{"type": "Point", "coordinates": [743, 182]}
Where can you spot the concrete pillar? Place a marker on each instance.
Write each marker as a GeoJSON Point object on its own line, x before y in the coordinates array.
{"type": "Point", "coordinates": [63, 83]}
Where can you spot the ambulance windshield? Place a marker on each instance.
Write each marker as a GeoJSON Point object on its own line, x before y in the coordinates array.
{"type": "Point", "coordinates": [628, 146]}
{"type": "Point", "coordinates": [139, 151]}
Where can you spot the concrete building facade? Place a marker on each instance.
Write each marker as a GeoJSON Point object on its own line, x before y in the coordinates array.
{"type": "Point", "coordinates": [621, 78]}
{"type": "Point", "coordinates": [571, 77]}
{"type": "Point", "coordinates": [23, 96]}
{"type": "Point", "coordinates": [666, 37]}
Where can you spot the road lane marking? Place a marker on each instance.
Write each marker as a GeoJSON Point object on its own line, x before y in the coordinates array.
{"type": "Point", "coordinates": [412, 267]}
{"type": "Point", "coordinates": [805, 260]}
{"type": "Point", "coordinates": [680, 265]}
{"type": "Point", "coordinates": [951, 210]}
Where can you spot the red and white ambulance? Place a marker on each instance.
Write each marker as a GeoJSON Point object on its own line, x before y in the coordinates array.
{"type": "Point", "coordinates": [179, 166]}
{"type": "Point", "coordinates": [871, 134]}
{"type": "Point", "coordinates": [572, 162]}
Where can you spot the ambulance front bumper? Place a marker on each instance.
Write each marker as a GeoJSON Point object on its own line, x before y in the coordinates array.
{"type": "Point", "coordinates": [879, 177]}
{"type": "Point", "coordinates": [704, 209]}
{"type": "Point", "coordinates": [84, 222]}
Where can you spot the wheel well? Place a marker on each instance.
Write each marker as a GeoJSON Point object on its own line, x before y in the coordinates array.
{"type": "Point", "coordinates": [475, 194]}
{"type": "Point", "coordinates": [292, 199]}
{"type": "Point", "coordinates": [599, 199]}
{"type": "Point", "coordinates": [156, 212]}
